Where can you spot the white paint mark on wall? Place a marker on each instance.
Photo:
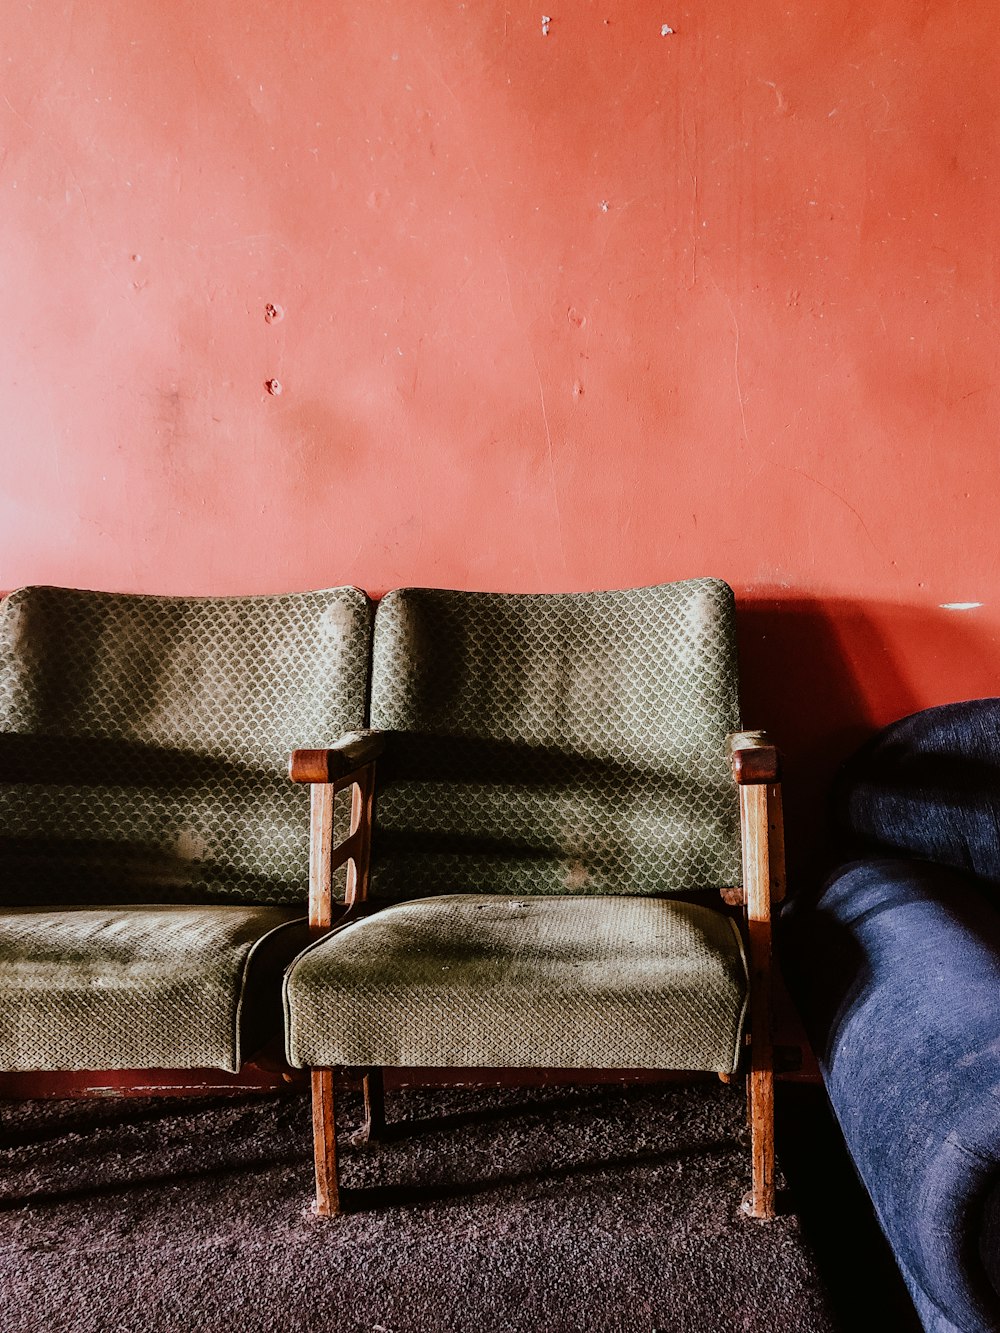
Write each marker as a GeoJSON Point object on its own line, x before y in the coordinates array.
{"type": "Point", "coordinates": [782, 106]}
{"type": "Point", "coordinates": [666, 30]}
{"type": "Point", "coordinates": [960, 606]}
{"type": "Point", "coordinates": [545, 25]}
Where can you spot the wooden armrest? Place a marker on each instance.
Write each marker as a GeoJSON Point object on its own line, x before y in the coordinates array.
{"type": "Point", "coordinates": [757, 772]}
{"type": "Point", "coordinates": [347, 755]}
{"type": "Point", "coordinates": [754, 759]}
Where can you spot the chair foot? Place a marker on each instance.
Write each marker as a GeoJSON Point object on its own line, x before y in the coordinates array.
{"type": "Point", "coordinates": [749, 1209]}
{"type": "Point", "coordinates": [373, 1087]}
{"type": "Point", "coordinates": [327, 1202]}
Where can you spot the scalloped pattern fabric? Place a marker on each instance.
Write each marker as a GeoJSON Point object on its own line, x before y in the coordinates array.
{"type": "Point", "coordinates": [144, 741]}
{"type": "Point", "coordinates": [556, 743]}
{"type": "Point", "coordinates": [491, 980]}
{"type": "Point", "coordinates": [140, 987]}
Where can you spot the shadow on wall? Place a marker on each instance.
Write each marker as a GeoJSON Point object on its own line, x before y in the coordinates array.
{"type": "Point", "coordinates": [823, 676]}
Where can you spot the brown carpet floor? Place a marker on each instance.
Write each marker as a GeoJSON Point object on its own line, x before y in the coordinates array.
{"type": "Point", "coordinates": [583, 1210]}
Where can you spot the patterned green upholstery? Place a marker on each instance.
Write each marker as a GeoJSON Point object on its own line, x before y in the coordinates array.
{"type": "Point", "coordinates": [569, 749]}
{"type": "Point", "coordinates": [144, 741]}
{"type": "Point", "coordinates": [556, 743]}
{"type": "Point", "coordinates": [490, 980]}
{"type": "Point", "coordinates": [141, 987]}
{"type": "Point", "coordinates": [152, 849]}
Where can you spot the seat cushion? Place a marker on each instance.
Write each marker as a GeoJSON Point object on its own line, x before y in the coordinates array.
{"type": "Point", "coordinates": [550, 743]}
{"type": "Point", "coordinates": [493, 980]}
{"type": "Point", "coordinates": [171, 987]}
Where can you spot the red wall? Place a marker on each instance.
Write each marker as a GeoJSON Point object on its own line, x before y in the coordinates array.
{"type": "Point", "coordinates": [586, 309]}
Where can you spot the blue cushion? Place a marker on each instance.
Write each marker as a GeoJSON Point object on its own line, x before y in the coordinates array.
{"type": "Point", "coordinates": [929, 786]}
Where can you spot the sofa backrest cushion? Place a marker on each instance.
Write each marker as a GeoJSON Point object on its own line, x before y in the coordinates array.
{"type": "Point", "coordinates": [556, 743]}
{"type": "Point", "coordinates": [929, 786]}
{"type": "Point", "coordinates": [144, 740]}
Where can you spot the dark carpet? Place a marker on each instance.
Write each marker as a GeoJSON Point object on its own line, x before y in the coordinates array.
{"type": "Point", "coordinates": [588, 1210]}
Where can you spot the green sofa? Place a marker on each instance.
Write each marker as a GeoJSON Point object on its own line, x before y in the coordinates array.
{"type": "Point", "coordinates": [562, 789]}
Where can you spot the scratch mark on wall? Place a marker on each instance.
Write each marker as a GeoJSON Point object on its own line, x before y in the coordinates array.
{"type": "Point", "coordinates": [837, 496]}
{"type": "Point", "coordinates": [691, 158]}
{"type": "Point", "coordinates": [22, 119]}
{"type": "Point", "coordinates": [787, 467]}
{"type": "Point", "coordinates": [415, 380]}
{"type": "Point", "coordinates": [551, 461]}
{"type": "Point", "coordinates": [736, 365]}
{"type": "Point", "coordinates": [436, 74]}
{"type": "Point", "coordinates": [960, 606]}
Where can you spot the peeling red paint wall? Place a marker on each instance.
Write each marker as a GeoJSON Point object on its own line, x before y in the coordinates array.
{"type": "Point", "coordinates": [581, 309]}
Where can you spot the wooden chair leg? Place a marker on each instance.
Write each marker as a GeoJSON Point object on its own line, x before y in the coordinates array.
{"type": "Point", "coordinates": [759, 1203]}
{"type": "Point", "coordinates": [324, 1144]}
{"type": "Point", "coordinates": [761, 876]}
{"type": "Point", "coordinates": [373, 1086]}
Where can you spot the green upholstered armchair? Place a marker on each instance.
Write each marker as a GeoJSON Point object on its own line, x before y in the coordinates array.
{"type": "Point", "coordinates": [563, 791]}
{"type": "Point", "coordinates": [153, 856]}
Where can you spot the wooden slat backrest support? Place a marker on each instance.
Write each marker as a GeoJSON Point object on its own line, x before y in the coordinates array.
{"type": "Point", "coordinates": [354, 851]}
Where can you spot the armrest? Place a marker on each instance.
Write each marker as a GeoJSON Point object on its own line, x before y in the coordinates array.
{"type": "Point", "coordinates": [753, 757]}
{"type": "Point", "coordinates": [757, 773]}
{"type": "Point", "coordinates": [347, 755]}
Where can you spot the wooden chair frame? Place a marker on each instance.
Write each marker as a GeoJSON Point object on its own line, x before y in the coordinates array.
{"type": "Point", "coordinates": [351, 764]}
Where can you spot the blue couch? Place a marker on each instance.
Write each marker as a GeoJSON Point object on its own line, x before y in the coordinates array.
{"type": "Point", "coordinates": [895, 966]}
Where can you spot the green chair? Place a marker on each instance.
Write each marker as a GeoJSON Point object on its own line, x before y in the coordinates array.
{"type": "Point", "coordinates": [153, 856]}
{"type": "Point", "coordinates": [562, 791]}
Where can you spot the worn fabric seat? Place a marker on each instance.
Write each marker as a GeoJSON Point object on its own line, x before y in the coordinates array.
{"type": "Point", "coordinates": [466, 980]}
{"type": "Point", "coordinates": [153, 856]}
{"type": "Point", "coordinates": [132, 987]}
